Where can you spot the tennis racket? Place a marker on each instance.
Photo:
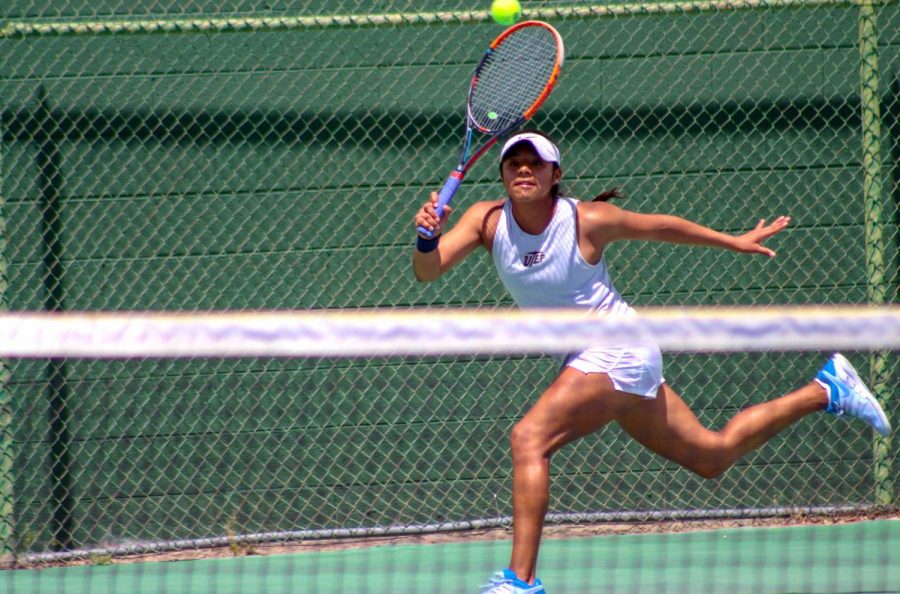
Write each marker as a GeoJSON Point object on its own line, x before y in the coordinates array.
{"type": "Point", "coordinates": [510, 84]}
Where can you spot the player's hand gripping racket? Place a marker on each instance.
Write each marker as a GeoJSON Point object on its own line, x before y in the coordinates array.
{"type": "Point", "coordinates": [514, 78]}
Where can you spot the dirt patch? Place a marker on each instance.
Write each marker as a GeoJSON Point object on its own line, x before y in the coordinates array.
{"type": "Point", "coordinates": [561, 531]}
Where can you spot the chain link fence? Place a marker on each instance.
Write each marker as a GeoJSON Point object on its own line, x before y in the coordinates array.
{"type": "Point", "coordinates": [200, 156]}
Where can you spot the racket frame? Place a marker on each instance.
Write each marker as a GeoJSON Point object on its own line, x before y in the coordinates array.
{"type": "Point", "coordinates": [451, 185]}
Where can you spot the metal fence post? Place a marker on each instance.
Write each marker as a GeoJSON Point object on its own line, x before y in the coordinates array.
{"type": "Point", "coordinates": [7, 452]}
{"type": "Point", "coordinates": [50, 184]}
{"type": "Point", "coordinates": [876, 290]}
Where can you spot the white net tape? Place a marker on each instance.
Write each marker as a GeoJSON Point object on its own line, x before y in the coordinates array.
{"type": "Point", "coordinates": [436, 332]}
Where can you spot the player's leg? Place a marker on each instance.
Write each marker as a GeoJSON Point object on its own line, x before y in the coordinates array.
{"type": "Point", "coordinates": [667, 426]}
{"type": "Point", "coordinates": [576, 404]}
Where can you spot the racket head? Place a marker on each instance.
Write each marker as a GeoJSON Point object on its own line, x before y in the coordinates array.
{"type": "Point", "coordinates": [515, 76]}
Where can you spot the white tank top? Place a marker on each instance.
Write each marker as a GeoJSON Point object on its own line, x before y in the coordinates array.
{"type": "Point", "coordinates": [548, 270]}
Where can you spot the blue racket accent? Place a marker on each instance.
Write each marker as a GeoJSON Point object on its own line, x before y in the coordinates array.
{"type": "Point", "coordinates": [444, 197]}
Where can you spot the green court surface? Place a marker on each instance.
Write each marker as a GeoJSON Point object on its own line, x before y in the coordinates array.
{"type": "Point", "coordinates": [857, 557]}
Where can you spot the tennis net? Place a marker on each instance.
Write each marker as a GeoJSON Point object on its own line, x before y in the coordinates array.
{"type": "Point", "coordinates": [337, 435]}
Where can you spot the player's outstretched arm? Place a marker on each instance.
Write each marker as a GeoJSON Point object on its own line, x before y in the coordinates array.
{"type": "Point", "coordinates": [606, 223]}
{"type": "Point", "coordinates": [434, 257]}
{"type": "Point", "coordinates": [751, 241]}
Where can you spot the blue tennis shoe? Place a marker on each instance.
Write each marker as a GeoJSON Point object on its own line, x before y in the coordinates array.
{"type": "Point", "coordinates": [507, 582]}
{"type": "Point", "coordinates": [848, 395]}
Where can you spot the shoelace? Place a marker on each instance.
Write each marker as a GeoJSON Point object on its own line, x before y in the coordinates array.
{"type": "Point", "coordinates": [498, 579]}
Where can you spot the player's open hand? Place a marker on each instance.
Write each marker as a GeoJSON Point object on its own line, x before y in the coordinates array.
{"type": "Point", "coordinates": [427, 216]}
{"type": "Point", "coordinates": [751, 241]}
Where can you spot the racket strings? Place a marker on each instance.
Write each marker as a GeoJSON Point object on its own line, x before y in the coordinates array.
{"type": "Point", "coordinates": [513, 77]}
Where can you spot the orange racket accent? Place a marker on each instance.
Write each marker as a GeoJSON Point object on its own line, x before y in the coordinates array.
{"type": "Point", "coordinates": [557, 67]}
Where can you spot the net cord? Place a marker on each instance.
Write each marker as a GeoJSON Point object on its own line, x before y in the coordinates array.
{"type": "Point", "coordinates": [441, 332]}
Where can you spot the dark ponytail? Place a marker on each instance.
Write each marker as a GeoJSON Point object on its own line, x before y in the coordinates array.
{"type": "Point", "coordinates": [606, 195]}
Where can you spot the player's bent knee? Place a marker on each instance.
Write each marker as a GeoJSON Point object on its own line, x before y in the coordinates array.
{"type": "Point", "coordinates": [525, 440]}
{"type": "Point", "coordinates": [519, 436]}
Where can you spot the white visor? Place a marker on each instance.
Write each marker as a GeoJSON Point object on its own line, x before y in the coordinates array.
{"type": "Point", "coordinates": [545, 149]}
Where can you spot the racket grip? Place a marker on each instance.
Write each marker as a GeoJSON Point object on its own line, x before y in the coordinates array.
{"type": "Point", "coordinates": [445, 196]}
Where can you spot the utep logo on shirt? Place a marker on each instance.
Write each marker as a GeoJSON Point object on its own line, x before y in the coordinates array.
{"type": "Point", "coordinates": [532, 258]}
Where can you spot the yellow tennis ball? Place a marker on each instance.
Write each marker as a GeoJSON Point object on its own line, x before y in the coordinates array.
{"type": "Point", "coordinates": [506, 12]}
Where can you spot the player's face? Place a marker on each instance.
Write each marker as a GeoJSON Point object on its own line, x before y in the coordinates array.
{"type": "Point", "coordinates": [526, 176]}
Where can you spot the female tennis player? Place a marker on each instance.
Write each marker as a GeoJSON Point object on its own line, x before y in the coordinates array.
{"type": "Point", "coordinates": [548, 250]}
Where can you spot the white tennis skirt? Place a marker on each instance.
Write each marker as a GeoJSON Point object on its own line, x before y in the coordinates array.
{"type": "Point", "coordinates": [634, 370]}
